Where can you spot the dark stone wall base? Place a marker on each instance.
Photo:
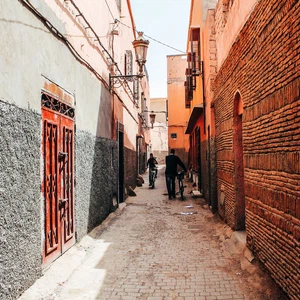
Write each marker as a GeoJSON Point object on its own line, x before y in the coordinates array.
{"type": "Point", "coordinates": [20, 194]}
{"type": "Point", "coordinates": [96, 180]}
{"type": "Point", "coordinates": [130, 170]}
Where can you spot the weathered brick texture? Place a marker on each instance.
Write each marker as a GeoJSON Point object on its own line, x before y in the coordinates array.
{"type": "Point", "coordinates": [264, 66]}
{"type": "Point", "coordinates": [130, 171]}
{"type": "Point", "coordinates": [208, 173]}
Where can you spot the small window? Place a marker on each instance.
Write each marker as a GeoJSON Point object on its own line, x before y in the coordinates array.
{"type": "Point", "coordinates": [173, 135]}
{"type": "Point", "coordinates": [119, 4]}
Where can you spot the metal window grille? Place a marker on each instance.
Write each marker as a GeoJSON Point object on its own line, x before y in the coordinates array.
{"type": "Point", "coordinates": [187, 96]}
{"type": "Point", "coordinates": [128, 62]}
{"type": "Point", "coordinates": [54, 104]}
{"type": "Point", "coordinates": [195, 54]}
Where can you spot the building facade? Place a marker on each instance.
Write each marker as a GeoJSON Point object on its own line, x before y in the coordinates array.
{"type": "Point", "coordinates": [200, 127]}
{"type": "Point", "coordinates": [69, 134]}
{"type": "Point", "coordinates": [177, 112]}
{"type": "Point", "coordinates": [159, 133]}
{"type": "Point", "coordinates": [249, 120]}
{"type": "Point", "coordinates": [257, 104]}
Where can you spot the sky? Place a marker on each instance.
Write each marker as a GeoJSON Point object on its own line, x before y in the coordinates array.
{"type": "Point", "coordinates": [167, 22]}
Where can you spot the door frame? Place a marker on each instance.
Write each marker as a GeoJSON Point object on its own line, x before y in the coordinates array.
{"type": "Point", "coordinates": [121, 178]}
{"type": "Point", "coordinates": [57, 184]}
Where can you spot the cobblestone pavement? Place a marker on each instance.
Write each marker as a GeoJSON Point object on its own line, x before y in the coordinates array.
{"type": "Point", "coordinates": [149, 250]}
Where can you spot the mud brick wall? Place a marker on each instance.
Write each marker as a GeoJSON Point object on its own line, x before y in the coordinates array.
{"type": "Point", "coordinates": [264, 66]}
{"type": "Point", "coordinates": [210, 71]}
{"type": "Point", "coordinates": [205, 170]}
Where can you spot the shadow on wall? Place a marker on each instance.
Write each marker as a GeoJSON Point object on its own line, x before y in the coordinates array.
{"type": "Point", "coordinates": [96, 173]}
{"type": "Point", "coordinates": [104, 183]}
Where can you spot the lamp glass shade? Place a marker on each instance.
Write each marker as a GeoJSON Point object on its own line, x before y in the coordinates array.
{"type": "Point", "coordinates": [152, 118]}
{"type": "Point", "coordinates": [141, 46]}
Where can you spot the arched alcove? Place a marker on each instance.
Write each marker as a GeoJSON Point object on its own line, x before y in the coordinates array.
{"type": "Point", "coordinates": [238, 162]}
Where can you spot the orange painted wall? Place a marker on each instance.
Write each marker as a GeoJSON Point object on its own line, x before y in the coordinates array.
{"type": "Point", "coordinates": [196, 22]}
{"type": "Point", "coordinates": [177, 113]}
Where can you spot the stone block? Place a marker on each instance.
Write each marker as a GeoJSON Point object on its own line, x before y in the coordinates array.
{"type": "Point", "coordinates": [131, 192]}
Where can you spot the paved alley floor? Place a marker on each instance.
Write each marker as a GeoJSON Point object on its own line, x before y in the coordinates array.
{"type": "Point", "coordinates": [150, 250]}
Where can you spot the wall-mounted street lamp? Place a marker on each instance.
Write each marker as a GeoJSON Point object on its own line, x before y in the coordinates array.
{"type": "Point", "coordinates": [140, 46]}
{"type": "Point", "coordinates": [152, 115]}
{"type": "Point", "coordinates": [152, 119]}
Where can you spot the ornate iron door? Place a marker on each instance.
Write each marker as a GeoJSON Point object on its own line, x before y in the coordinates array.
{"type": "Point", "coordinates": [66, 202]}
{"type": "Point", "coordinates": [58, 183]}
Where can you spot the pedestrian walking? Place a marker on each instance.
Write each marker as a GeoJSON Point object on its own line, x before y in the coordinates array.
{"type": "Point", "coordinates": [171, 172]}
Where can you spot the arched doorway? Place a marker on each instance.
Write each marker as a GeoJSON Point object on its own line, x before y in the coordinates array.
{"type": "Point", "coordinates": [238, 162]}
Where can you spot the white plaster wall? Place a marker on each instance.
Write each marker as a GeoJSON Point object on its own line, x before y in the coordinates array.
{"type": "Point", "coordinates": [159, 132]}
{"type": "Point", "coordinates": [103, 22]}
{"type": "Point", "coordinates": [146, 90]}
{"type": "Point", "coordinates": [159, 105]}
{"type": "Point", "coordinates": [38, 54]}
{"type": "Point", "coordinates": [159, 137]}
{"type": "Point", "coordinates": [237, 17]}
{"type": "Point", "coordinates": [29, 48]}
{"type": "Point", "coordinates": [206, 5]}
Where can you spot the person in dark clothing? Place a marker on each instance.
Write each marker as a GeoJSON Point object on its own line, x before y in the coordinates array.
{"type": "Point", "coordinates": [171, 171]}
{"type": "Point", "coordinates": [151, 163]}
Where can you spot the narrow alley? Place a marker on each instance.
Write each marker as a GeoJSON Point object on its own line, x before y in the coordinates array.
{"type": "Point", "coordinates": [148, 249]}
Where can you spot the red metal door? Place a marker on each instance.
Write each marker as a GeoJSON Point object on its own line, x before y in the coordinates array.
{"type": "Point", "coordinates": [58, 183]}
{"type": "Point", "coordinates": [67, 183]}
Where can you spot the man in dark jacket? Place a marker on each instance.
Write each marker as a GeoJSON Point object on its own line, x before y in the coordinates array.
{"type": "Point", "coordinates": [171, 171]}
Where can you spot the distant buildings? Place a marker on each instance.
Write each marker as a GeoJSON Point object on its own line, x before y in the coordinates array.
{"type": "Point", "coordinates": [177, 113]}
{"type": "Point", "coordinates": [159, 133]}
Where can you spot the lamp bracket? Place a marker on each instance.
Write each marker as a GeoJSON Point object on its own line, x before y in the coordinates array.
{"type": "Point", "coordinates": [155, 111]}
{"type": "Point", "coordinates": [113, 79]}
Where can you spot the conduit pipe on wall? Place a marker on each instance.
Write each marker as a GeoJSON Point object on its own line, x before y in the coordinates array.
{"type": "Point", "coordinates": [78, 57]}
{"type": "Point", "coordinates": [127, 87]}
{"type": "Point", "coordinates": [58, 34]}
{"type": "Point", "coordinates": [95, 34]}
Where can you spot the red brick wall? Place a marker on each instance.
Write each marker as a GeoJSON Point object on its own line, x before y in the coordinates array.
{"type": "Point", "coordinates": [264, 66]}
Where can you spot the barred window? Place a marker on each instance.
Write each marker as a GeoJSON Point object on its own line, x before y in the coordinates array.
{"type": "Point", "coordinates": [195, 54]}
{"type": "Point", "coordinates": [128, 62]}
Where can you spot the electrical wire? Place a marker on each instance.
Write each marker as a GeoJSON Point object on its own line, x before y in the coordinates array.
{"type": "Point", "coordinates": [149, 37]}
{"type": "Point", "coordinates": [109, 10]}
{"type": "Point", "coordinates": [127, 88]}
{"type": "Point", "coordinates": [78, 57]}
{"type": "Point", "coordinates": [155, 40]}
